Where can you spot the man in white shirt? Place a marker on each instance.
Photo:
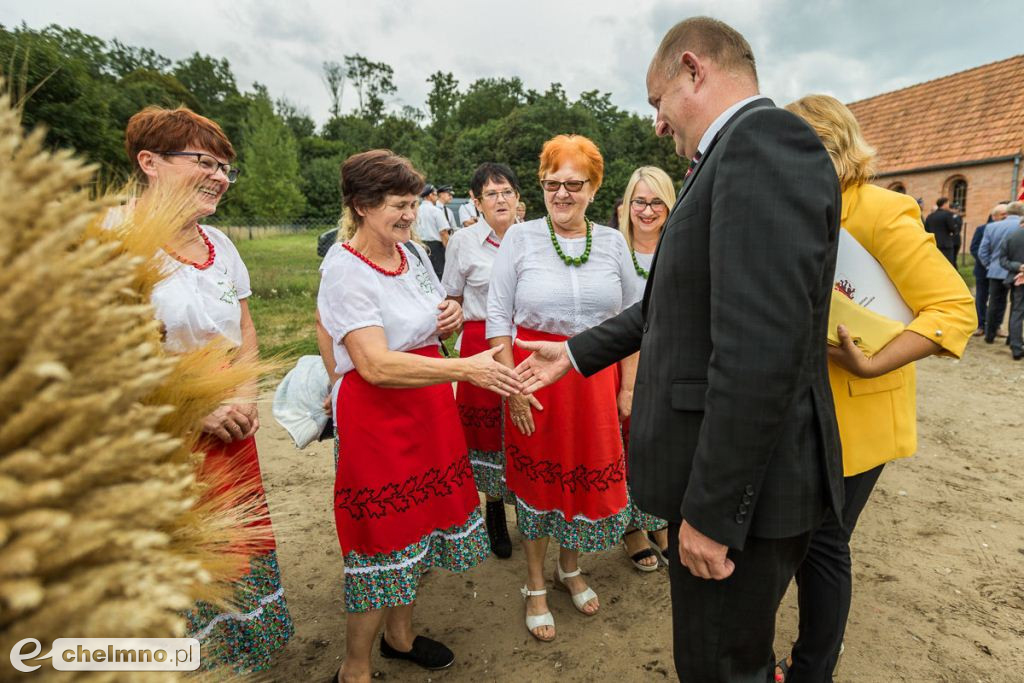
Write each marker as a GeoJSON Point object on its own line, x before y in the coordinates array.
{"type": "Point", "coordinates": [444, 195]}
{"type": "Point", "coordinates": [432, 228]}
{"type": "Point", "coordinates": [468, 213]}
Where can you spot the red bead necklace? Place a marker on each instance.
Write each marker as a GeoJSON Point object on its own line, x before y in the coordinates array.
{"type": "Point", "coordinates": [383, 271]}
{"type": "Point", "coordinates": [490, 241]}
{"type": "Point", "coordinates": [198, 266]}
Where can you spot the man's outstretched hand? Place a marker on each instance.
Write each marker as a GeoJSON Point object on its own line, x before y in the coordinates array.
{"type": "Point", "coordinates": [546, 365]}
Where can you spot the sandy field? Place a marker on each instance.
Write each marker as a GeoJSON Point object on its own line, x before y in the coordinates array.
{"type": "Point", "coordinates": [938, 565]}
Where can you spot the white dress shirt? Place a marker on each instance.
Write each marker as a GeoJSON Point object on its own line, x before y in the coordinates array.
{"type": "Point", "coordinates": [467, 267]}
{"type": "Point", "coordinates": [430, 222]}
{"type": "Point", "coordinates": [532, 287]}
{"type": "Point", "coordinates": [467, 211]}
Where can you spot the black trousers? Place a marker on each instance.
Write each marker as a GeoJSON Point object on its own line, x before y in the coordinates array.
{"type": "Point", "coordinates": [825, 585]}
{"type": "Point", "coordinates": [436, 250]}
{"type": "Point", "coordinates": [997, 294]}
{"type": "Point", "coordinates": [723, 631]}
{"type": "Point", "coordinates": [950, 254]}
{"type": "Point", "coordinates": [1017, 320]}
{"type": "Point", "coordinates": [980, 296]}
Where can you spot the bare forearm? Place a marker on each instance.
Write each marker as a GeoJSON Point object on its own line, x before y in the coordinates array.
{"type": "Point", "coordinates": [627, 367]}
{"type": "Point", "coordinates": [504, 356]}
{"type": "Point", "coordinates": [906, 348]}
{"type": "Point", "coordinates": [395, 369]}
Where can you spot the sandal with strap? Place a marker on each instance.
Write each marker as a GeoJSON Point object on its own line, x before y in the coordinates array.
{"type": "Point", "coordinates": [578, 599]}
{"type": "Point", "coordinates": [783, 666]}
{"type": "Point", "coordinates": [535, 621]}
{"type": "Point", "coordinates": [641, 554]}
{"type": "Point", "coordinates": [662, 552]}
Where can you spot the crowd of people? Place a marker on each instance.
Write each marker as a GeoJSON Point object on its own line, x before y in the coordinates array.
{"type": "Point", "coordinates": [664, 384]}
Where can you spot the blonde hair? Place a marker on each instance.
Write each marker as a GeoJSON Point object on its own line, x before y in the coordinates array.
{"type": "Point", "coordinates": [840, 133]}
{"type": "Point", "coordinates": [659, 182]}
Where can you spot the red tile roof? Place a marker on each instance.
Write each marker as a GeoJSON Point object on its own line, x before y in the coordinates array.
{"type": "Point", "coordinates": [968, 116]}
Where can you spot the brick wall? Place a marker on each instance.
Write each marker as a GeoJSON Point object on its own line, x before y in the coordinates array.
{"type": "Point", "coordinates": [986, 186]}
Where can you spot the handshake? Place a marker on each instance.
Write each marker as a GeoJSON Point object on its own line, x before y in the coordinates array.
{"type": "Point", "coordinates": [548, 362]}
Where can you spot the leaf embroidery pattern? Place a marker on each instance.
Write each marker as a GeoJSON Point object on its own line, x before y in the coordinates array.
{"type": "Point", "coordinates": [397, 497]}
{"type": "Point", "coordinates": [580, 477]}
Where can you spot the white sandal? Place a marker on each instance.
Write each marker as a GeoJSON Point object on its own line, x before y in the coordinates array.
{"type": "Point", "coordinates": [535, 621]}
{"type": "Point", "coordinates": [578, 599]}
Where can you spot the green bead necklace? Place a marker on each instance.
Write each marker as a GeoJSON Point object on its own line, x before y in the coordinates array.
{"type": "Point", "coordinates": [636, 264]}
{"type": "Point", "coordinates": [570, 260]}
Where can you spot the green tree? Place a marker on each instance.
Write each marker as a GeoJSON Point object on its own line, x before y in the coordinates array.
{"type": "Point", "coordinates": [373, 82]}
{"type": "Point", "coordinates": [268, 189]}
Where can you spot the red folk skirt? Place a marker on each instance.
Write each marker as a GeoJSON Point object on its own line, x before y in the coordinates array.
{"type": "Point", "coordinates": [403, 471]}
{"type": "Point", "coordinates": [573, 462]}
{"type": "Point", "coordinates": [479, 409]}
{"type": "Point", "coordinates": [233, 471]}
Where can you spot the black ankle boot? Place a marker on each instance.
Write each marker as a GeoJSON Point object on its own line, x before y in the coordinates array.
{"type": "Point", "coordinates": [497, 529]}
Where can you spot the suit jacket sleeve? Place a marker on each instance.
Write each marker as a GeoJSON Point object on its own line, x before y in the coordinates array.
{"type": "Point", "coordinates": [976, 241]}
{"type": "Point", "coordinates": [616, 338]}
{"type": "Point", "coordinates": [773, 230]}
{"type": "Point", "coordinates": [1006, 258]}
{"type": "Point", "coordinates": [985, 250]}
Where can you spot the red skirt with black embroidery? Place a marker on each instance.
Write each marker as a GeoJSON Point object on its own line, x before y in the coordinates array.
{"type": "Point", "coordinates": [479, 409]}
{"type": "Point", "coordinates": [403, 471]}
{"type": "Point", "coordinates": [573, 462]}
{"type": "Point", "coordinates": [233, 472]}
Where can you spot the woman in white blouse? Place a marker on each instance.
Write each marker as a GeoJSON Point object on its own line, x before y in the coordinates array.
{"type": "Point", "coordinates": [553, 277]}
{"type": "Point", "coordinates": [203, 298]}
{"type": "Point", "coordinates": [467, 277]}
{"type": "Point", "coordinates": [645, 205]}
{"type": "Point", "coordinates": [404, 497]}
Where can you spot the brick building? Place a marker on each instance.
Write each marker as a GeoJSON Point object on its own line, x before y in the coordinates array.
{"type": "Point", "coordinates": [959, 136]}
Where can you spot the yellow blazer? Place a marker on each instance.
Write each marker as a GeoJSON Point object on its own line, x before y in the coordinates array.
{"type": "Point", "coordinates": [878, 416]}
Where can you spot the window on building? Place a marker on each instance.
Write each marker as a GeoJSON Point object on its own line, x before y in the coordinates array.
{"type": "Point", "coordinates": [898, 187]}
{"type": "Point", "coordinates": [958, 192]}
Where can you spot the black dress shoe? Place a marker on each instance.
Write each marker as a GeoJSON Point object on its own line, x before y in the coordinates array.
{"type": "Point", "coordinates": [428, 653]}
{"type": "Point", "coordinates": [497, 529]}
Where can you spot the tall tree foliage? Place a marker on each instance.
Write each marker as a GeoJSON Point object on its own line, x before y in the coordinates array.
{"type": "Point", "coordinates": [268, 189]}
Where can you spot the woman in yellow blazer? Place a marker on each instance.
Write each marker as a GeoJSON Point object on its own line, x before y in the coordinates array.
{"type": "Point", "coordinates": [874, 396]}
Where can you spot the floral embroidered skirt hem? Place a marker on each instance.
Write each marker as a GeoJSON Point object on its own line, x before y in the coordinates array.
{"type": "Point", "coordinates": [391, 579]}
{"type": "Point", "coordinates": [489, 474]}
{"type": "Point", "coordinates": [644, 520]}
{"type": "Point", "coordinates": [582, 534]}
{"type": "Point", "coordinates": [246, 639]}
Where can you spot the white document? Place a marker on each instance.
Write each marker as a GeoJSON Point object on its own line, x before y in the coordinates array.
{"type": "Point", "coordinates": [861, 277]}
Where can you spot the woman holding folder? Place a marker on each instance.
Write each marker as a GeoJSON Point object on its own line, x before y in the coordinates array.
{"type": "Point", "coordinates": [874, 395]}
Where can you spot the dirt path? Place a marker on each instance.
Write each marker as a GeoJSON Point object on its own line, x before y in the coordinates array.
{"type": "Point", "coordinates": [938, 563]}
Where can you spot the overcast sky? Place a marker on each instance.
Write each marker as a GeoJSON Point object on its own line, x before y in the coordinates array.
{"type": "Point", "coordinates": [849, 49]}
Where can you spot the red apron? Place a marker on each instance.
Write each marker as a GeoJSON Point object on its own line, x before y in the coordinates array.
{"type": "Point", "coordinates": [479, 409]}
{"type": "Point", "coordinates": [233, 471]}
{"type": "Point", "coordinates": [573, 462]}
{"type": "Point", "coordinates": [403, 471]}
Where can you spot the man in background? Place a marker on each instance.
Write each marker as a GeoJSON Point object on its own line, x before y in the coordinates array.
{"type": "Point", "coordinates": [943, 224]}
{"type": "Point", "coordinates": [468, 213]}
{"type": "Point", "coordinates": [988, 253]}
{"type": "Point", "coordinates": [444, 195]}
{"type": "Point", "coordinates": [431, 226]}
{"type": "Point", "coordinates": [980, 271]}
{"type": "Point", "coordinates": [1011, 257]}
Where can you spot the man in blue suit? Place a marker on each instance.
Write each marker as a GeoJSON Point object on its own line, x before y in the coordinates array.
{"type": "Point", "coordinates": [980, 271]}
{"type": "Point", "coordinates": [988, 254]}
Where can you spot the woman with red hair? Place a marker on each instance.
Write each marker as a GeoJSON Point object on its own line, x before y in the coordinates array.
{"type": "Point", "coordinates": [552, 278]}
{"type": "Point", "coordinates": [203, 298]}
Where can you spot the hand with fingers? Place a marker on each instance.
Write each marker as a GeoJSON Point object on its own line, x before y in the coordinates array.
{"type": "Point", "coordinates": [449, 319]}
{"type": "Point", "coordinates": [548, 363]}
{"type": "Point", "coordinates": [483, 371]}
{"type": "Point", "coordinates": [252, 413]}
{"type": "Point", "coordinates": [705, 557]}
{"type": "Point", "coordinates": [520, 409]}
{"type": "Point", "coordinates": [228, 424]}
{"type": "Point", "coordinates": [849, 357]}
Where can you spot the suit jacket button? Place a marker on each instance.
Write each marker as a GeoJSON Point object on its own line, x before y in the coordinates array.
{"type": "Point", "coordinates": [646, 327]}
{"type": "Point", "coordinates": [749, 490]}
{"type": "Point", "coordinates": [746, 499]}
{"type": "Point", "coordinates": [739, 518]}
{"type": "Point", "coordinates": [742, 508]}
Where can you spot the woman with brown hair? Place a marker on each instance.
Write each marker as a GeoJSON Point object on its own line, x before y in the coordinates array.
{"type": "Point", "coordinates": [203, 298]}
{"type": "Point", "coordinates": [404, 498]}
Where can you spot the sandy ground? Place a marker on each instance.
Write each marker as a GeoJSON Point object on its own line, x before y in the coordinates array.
{"type": "Point", "coordinates": [938, 564]}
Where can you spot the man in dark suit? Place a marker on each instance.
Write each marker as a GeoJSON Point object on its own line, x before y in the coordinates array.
{"type": "Point", "coordinates": [733, 437]}
{"type": "Point", "coordinates": [944, 224]}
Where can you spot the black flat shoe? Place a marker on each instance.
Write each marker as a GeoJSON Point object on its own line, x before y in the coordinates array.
{"type": "Point", "coordinates": [428, 653]}
{"type": "Point", "coordinates": [497, 529]}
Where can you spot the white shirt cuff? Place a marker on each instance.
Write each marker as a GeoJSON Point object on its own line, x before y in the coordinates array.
{"type": "Point", "coordinates": [572, 360]}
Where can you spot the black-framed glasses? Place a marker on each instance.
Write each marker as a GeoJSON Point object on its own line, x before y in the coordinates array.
{"type": "Point", "coordinates": [569, 185]}
{"type": "Point", "coordinates": [639, 205]}
{"type": "Point", "coordinates": [507, 195]}
{"type": "Point", "coordinates": [208, 163]}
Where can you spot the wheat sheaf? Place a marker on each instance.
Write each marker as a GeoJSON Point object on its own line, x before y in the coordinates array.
{"type": "Point", "coordinates": [104, 529]}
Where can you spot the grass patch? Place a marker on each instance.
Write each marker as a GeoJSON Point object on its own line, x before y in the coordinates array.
{"type": "Point", "coordinates": [284, 270]}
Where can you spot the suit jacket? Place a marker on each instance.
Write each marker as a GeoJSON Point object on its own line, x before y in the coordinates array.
{"type": "Point", "coordinates": [733, 426]}
{"type": "Point", "coordinates": [878, 416]}
{"type": "Point", "coordinates": [992, 243]}
{"type": "Point", "coordinates": [1011, 253]}
{"type": "Point", "coordinates": [944, 226]}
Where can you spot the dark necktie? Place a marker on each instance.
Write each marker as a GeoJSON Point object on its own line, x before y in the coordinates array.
{"type": "Point", "coordinates": [693, 163]}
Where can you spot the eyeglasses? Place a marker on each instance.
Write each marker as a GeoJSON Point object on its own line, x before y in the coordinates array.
{"type": "Point", "coordinates": [569, 185]}
{"type": "Point", "coordinates": [207, 163]}
{"type": "Point", "coordinates": [639, 205]}
{"type": "Point", "coordinates": [507, 195]}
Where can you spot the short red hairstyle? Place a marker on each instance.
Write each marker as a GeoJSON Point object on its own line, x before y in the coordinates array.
{"type": "Point", "coordinates": [572, 149]}
{"type": "Point", "coordinates": [172, 130]}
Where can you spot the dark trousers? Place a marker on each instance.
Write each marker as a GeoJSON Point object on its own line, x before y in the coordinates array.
{"type": "Point", "coordinates": [980, 296]}
{"type": "Point", "coordinates": [825, 583]}
{"type": "Point", "coordinates": [1017, 320]}
{"type": "Point", "coordinates": [723, 631]}
{"type": "Point", "coordinates": [436, 251]}
{"type": "Point", "coordinates": [997, 292]}
{"type": "Point", "coordinates": [949, 253]}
